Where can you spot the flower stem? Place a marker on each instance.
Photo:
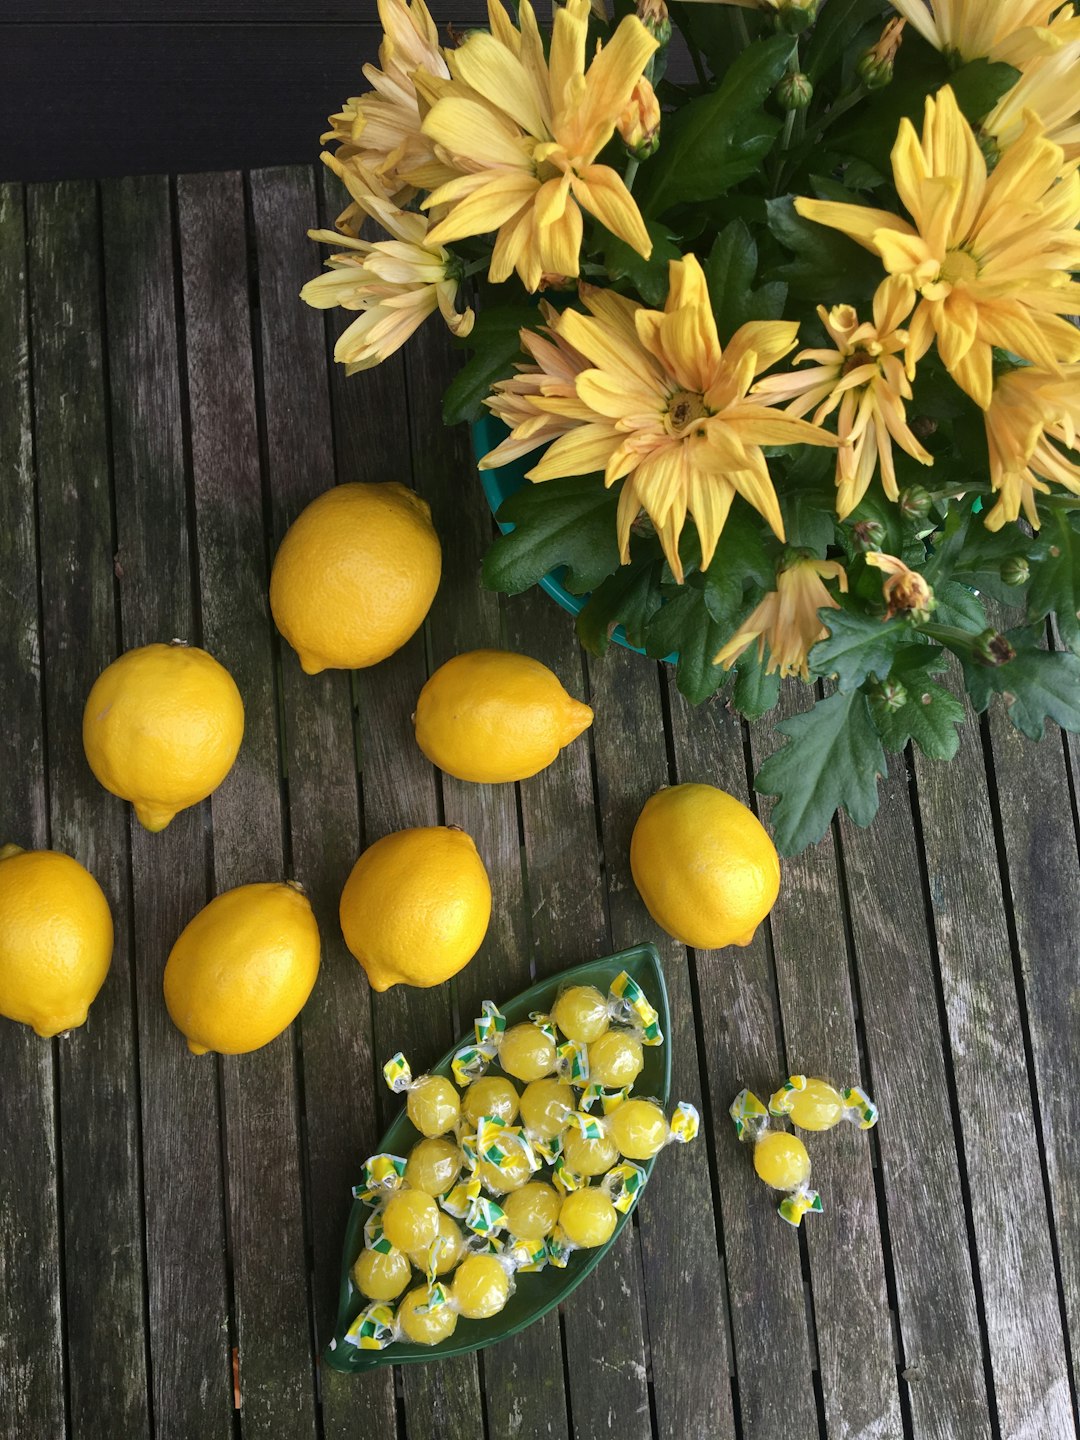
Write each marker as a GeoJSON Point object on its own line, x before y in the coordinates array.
{"type": "Point", "coordinates": [475, 266]}
{"type": "Point", "coordinates": [741, 27]}
{"type": "Point", "coordinates": [630, 171]}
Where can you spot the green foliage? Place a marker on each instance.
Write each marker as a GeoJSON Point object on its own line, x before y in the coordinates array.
{"type": "Point", "coordinates": [930, 713]}
{"type": "Point", "coordinates": [730, 270]}
{"type": "Point", "coordinates": [857, 646]}
{"type": "Point", "coordinates": [839, 25]}
{"type": "Point", "coordinates": [1055, 582]}
{"type": "Point", "coordinates": [496, 338]}
{"type": "Point", "coordinates": [755, 692]}
{"type": "Point", "coordinates": [684, 624]}
{"type": "Point", "coordinates": [648, 277]}
{"type": "Point", "coordinates": [630, 597]}
{"type": "Point", "coordinates": [560, 522]}
{"type": "Point", "coordinates": [828, 267]}
{"type": "Point", "coordinates": [1037, 685]}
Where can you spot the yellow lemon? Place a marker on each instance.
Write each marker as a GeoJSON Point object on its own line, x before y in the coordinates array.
{"type": "Point", "coordinates": [493, 716]}
{"type": "Point", "coordinates": [704, 865]}
{"type": "Point", "coordinates": [416, 907]}
{"type": "Point", "coordinates": [355, 575]}
{"type": "Point", "coordinates": [242, 970]}
{"type": "Point", "coordinates": [162, 727]}
{"type": "Point", "coordinates": [56, 939]}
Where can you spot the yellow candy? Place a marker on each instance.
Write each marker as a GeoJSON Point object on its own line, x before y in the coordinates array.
{"type": "Point", "coordinates": [490, 1096]}
{"type": "Point", "coordinates": [527, 1053]}
{"type": "Point", "coordinates": [589, 1157]}
{"type": "Point", "coordinates": [545, 1105]}
{"type": "Point", "coordinates": [433, 1166]}
{"type": "Point", "coordinates": [514, 1172]}
{"type": "Point", "coordinates": [433, 1105]}
{"type": "Point", "coordinates": [639, 1128]}
{"type": "Point", "coordinates": [481, 1287]}
{"type": "Point", "coordinates": [781, 1160]}
{"type": "Point", "coordinates": [615, 1059]}
{"type": "Point", "coordinates": [426, 1329]}
{"type": "Point", "coordinates": [379, 1276]}
{"type": "Point", "coordinates": [581, 1013]}
{"type": "Point", "coordinates": [531, 1212]}
{"type": "Point", "coordinates": [588, 1218]}
{"type": "Point", "coordinates": [449, 1251]}
{"type": "Point", "coordinates": [818, 1106]}
{"type": "Point", "coordinates": [410, 1220]}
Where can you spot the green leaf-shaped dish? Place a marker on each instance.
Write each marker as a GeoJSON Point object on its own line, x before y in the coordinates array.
{"type": "Point", "coordinates": [538, 1292]}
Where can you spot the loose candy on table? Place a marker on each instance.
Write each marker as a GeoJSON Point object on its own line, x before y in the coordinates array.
{"type": "Point", "coordinates": [528, 1051]}
{"type": "Point", "coordinates": [583, 1014]}
{"type": "Point", "coordinates": [780, 1158]}
{"type": "Point", "coordinates": [432, 1104]}
{"type": "Point", "coordinates": [815, 1104]}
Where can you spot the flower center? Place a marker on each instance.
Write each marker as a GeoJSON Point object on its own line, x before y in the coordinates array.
{"type": "Point", "coordinates": [856, 361]}
{"type": "Point", "coordinates": [684, 407]}
{"type": "Point", "coordinates": [959, 268]}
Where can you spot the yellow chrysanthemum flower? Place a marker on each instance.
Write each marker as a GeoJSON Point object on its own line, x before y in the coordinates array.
{"type": "Point", "coordinates": [522, 131]}
{"type": "Point", "coordinates": [395, 284]}
{"type": "Point", "coordinates": [906, 592]}
{"type": "Point", "coordinates": [1009, 30]}
{"type": "Point", "coordinates": [662, 405]}
{"type": "Point", "coordinates": [989, 255]}
{"type": "Point", "coordinates": [1047, 88]}
{"type": "Point", "coordinates": [382, 127]}
{"type": "Point", "coordinates": [1031, 409]}
{"type": "Point", "coordinates": [787, 619]}
{"type": "Point", "coordinates": [864, 379]}
{"type": "Point", "coordinates": [557, 366]}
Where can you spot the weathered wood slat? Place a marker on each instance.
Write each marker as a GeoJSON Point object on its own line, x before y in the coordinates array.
{"type": "Point", "coordinates": [685, 1284]}
{"type": "Point", "coordinates": [189, 1322]}
{"type": "Point", "coordinates": [1000, 1152]}
{"type": "Point", "coordinates": [737, 995]}
{"type": "Point", "coordinates": [31, 1323]}
{"type": "Point", "coordinates": [523, 1378]}
{"type": "Point", "coordinates": [1032, 791]}
{"type": "Point", "coordinates": [937, 1309]}
{"type": "Point", "coordinates": [260, 1090]}
{"type": "Point", "coordinates": [104, 1272]}
{"type": "Point", "coordinates": [603, 1321]}
{"type": "Point", "coordinates": [852, 1320]}
{"type": "Point", "coordinates": [339, 1100]}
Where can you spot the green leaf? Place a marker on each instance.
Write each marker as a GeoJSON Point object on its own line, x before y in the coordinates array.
{"type": "Point", "coordinates": [979, 85]}
{"type": "Point", "coordinates": [559, 522]}
{"type": "Point", "coordinates": [958, 605]}
{"type": "Point", "coordinates": [717, 140]}
{"type": "Point", "coordinates": [833, 757]}
{"type": "Point", "coordinates": [740, 556]}
{"type": "Point", "coordinates": [857, 646]}
{"type": "Point", "coordinates": [684, 624]}
{"type": "Point", "coordinates": [496, 338]}
{"type": "Point", "coordinates": [839, 24]}
{"type": "Point", "coordinates": [1038, 685]}
{"type": "Point", "coordinates": [730, 271]}
{"type": "Point", "coordinates": [630, 597]}
{"type": "Point", "coordinates": [755, 692]}
{"type": "Point", "coordinates": [1055, 579]}
{"type": "Point", "coordinates": [931, 713]}
{"type": "Point", "coordinates": [648, 277]}
{"type": "Point", "coordinates": [828, 267]}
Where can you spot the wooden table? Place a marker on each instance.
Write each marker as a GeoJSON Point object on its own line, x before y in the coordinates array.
{"type": "Point", "coordinates": [166, 408]}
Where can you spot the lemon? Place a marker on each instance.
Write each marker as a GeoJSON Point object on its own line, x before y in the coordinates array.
{"type": "Point", "coordinates": [56, 939]}
{"type": "Point", "coordinates": [416, 907]}
{"type": "Point", "coordinates": [704, 865]}
{"type": "Point", "coordinates": [162, 727]}
{"type": "Point", "coordinates": [355, 575]}
{"type": "Point", "coordinates": [493, 716]}
{"type": "Point", "coordinates": [242, 970]}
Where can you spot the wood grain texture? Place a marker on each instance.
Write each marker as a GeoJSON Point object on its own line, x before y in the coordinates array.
{"type": "Point", "coordinates": [341, 1125]}
{"type": "Point", "coordinates": [261, 1110]}
{"type": "Point", "coordinates": [31, 1322]}
{"type": "Point", "coordinates": [852, 1319]}
{"type": "Point", "coordinates": [604, 1321]}
{"type": "Point", "coordinates": [1000, 1151]}
{"type": "Point", "coordinates": [937, 1309]}
{"type": "Point", "coordinates": [189, 1321]}
{"type": "Point", "coordinates": [99, 1101]}
{"type": "Point", "coordinates": [1032, 792]}
{"type": "Point", "coordinates": [684, 1279]}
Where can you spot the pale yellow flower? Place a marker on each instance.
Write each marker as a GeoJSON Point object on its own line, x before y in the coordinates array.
{"type": "Point", "coordinates": [1009, 30]}
{"type": "Point", "coordinates": [1032, 413]}
{"type": "Point", "coordinates": [557, 366]}
{"type": "Point", "coordinates": [395, 284]}
{"type": "Point", "coordinates": [382, 127]}
{"type": "Point", "coordinates": [522, 131]}
{"type": "Point", "coordinates": [787, 619]}
{"type": "Point", "coordinates": [665, 409]}
{"type": "Point", "coordinates": [864, 379]}
{"type": "Point", "coordinates": [1048, 88]}
{"type": "Point", "coordinates": [906, 592]}
{"type": "Point", "coordinates": [989, 255]}
{"type": "Point", "coordinates": [639, 123]}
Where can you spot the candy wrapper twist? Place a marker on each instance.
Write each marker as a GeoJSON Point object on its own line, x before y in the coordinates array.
{"type": "Point", "coordinates": [815, 1104]}
{"type": "Point", "coordinates": [780, 1158]}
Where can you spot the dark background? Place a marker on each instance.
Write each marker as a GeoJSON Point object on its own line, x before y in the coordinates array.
{"type": "Point", "coordinates": [92, 88]}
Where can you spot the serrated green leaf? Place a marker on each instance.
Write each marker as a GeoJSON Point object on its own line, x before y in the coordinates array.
{"type": "Point", "coordinates": [857, 646]}
{"type": "Point", "coordinates": [496, 338]}
{"type": "Point", "coordinates": [685, 625]}
{"type": "Point", "coordinates": [717, 140]}
{"type": "Point", "coordinates": [931, 714]}
{"type": "Point", "coordinates": [1055, 577]}
{"type": "Point", "coordinates": [755, 692]}
{"type": "Point", "coordinates": [630, 597]}
{"type": "Point", "coordinates": [1038, 685]}
{"type": "Point", "coordinates": [729, 272]}
{"type": "Point", "coordinates": [833, 758]}
{"type": "Point", "coordinates": [958, 605]}
{"type": "Point", "coordinates": [559, 522]}
{"type": "Point", "coordinates": [648, 277]}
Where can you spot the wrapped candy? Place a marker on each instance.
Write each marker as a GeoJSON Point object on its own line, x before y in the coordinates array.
{"type": "Point", "coordinates": [404, 1219]}
{"type": "Point", "coordinates": [637, 1126]}
{"type": "Point", "coordinates": [583, 1014]}
{"type": "Point", "coordinates": [433, 1105]}
{"type": "Point", "coordinates": [815, 1104]}
{"type": "Point", "coordinates": [433, 1166]}
{"type": "Point", "coordinates": [615, 1058]}
{"type": "Point", "coordinates": [780, 1158]}
{"type": "Point", "coordinates": [589, 1214]}
{"type": "Point", "coordinates": [532, 1212]}
{"type": "Point", "coordinates": [582, 1158]}
{"type": "Point", "coordinates": [414, 1319]}
{"type": "Point", "coordinates": [381, 1275]}
{"type": "Point", "coordinates": [490, 1095]}
{"type": "Point", "coordinates": [546, 1107]}
{"type": "Point", "coordinates": [444, 1252]}
{"type": "Point", "coordinates": [505, 1158]}
{"type": "Point", "coordinates": [529, 1051]}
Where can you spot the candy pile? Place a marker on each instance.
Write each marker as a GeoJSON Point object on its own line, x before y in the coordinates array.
{"type": "Point", "coordinates": [506, 1181]}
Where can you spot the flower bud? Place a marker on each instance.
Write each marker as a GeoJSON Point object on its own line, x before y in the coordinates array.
{"type": "Point", "coordinates": [915, 502]}
{"type": "Point", "coordinates": [639, 123]}
{"type": "Point", "coordinates": [890, 695]}
{"type": "Point", "coordinates": [875, 66]}
{"type": "Point", "coordinates": [1015, 570]}
{"type": "Point", "coordinates": [794, 91]}
{"type": "Point", "coordinates": [905, 591]}
{"type": "Point", "coordinates": [867, 535]}
{"type": "Point", "coordinates": [795, 16]}
{"type": "Point", "coordinates": [992, 648]}
{"type": "Point", "coordinates": [653, 14]}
